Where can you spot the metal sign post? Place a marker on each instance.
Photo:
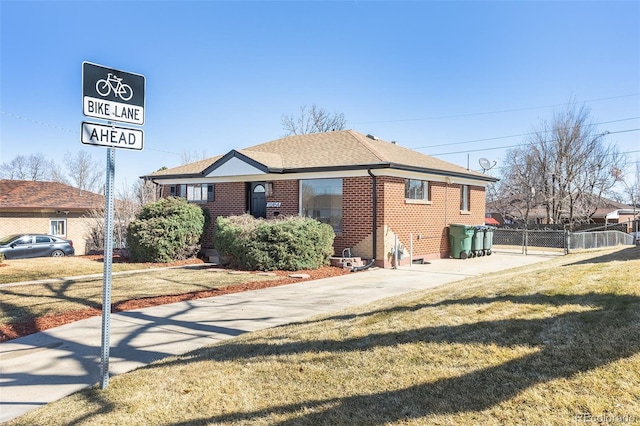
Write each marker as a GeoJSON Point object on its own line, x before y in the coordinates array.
{"type": "Point", "coordinates": [116, 96]}
{"type": "Point", "coordinates": [108, 260]}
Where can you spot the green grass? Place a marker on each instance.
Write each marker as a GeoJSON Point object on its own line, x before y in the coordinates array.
{"type": "Point", "coordinates": [557, 343]}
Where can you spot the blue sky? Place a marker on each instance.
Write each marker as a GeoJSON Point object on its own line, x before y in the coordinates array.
{"type": "Point", "coordinates": [456, 80]}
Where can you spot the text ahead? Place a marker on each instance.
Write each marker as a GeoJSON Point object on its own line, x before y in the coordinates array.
{"type": "Point", "coordinates": [111, 136]}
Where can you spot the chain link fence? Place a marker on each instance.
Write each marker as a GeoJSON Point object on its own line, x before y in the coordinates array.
{"type": "Point", "coordinates": [560, 239]}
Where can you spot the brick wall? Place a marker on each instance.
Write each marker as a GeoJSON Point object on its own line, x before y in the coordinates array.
{"type": "Point", "coordinates": [285, 192]}
{"type": "Point", "coordinates": [423, 224]}
{"type": "Point", "coordinates": [420, 223]}
{"type": "Point", "coordinates": [357, 217]}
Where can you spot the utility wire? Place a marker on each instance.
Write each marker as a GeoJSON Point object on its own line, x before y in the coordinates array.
{"type": "Point", "coordinates": [524, 144]}
{"type": "Point", "coordinates": [489, 112]}
{"type": "Point", "coordinates": [64, 129]}
{"type": "Point", "coordinates": [513, 136]}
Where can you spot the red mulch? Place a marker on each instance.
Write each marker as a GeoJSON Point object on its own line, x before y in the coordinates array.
{"type": "Point", "coordinates": [13, 331]}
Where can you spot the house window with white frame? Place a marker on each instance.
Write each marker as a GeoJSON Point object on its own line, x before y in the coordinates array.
{"type": "Point", "coordinates": [321, 199]}
{"type": "Point", "coordinates": [198, 192]}
{"type": "Point", "coordinates": [415, 189]}
{"type": "Point", "coordinates": [464, 198]}
{"type": "Point", "coordinates": [58, 227]}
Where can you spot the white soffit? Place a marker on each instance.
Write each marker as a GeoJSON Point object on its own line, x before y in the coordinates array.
{"type": "Point", "coordinates": [235, 167]}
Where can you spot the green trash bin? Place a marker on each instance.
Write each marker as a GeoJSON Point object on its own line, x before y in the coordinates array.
{"type": "Point", "coordinates": [477, 241]}
{"type": "Point", "coordinates": [460, 240]}
{"type": "Point", "coordinates": [488, 240]}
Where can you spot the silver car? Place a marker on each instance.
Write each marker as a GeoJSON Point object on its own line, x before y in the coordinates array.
{"type": "Point", "coordinates": [20, 246]}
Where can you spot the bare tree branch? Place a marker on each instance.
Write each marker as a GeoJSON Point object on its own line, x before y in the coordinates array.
{"type": "Point", "coordinates": [312, 120]}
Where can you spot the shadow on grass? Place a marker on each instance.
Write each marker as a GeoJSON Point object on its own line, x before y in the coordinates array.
{"type": "Point", "coordinates": [630, 253]}
{"type": "Point", "coordinates": [566, 344]}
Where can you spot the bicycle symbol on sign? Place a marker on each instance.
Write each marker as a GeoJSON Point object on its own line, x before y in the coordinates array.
{"type": "Point", "coordinates": [105, 86]}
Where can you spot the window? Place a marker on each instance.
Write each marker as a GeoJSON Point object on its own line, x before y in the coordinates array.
{"type": "Point", "coordinates": [321, 199]}
{"type": "Point", "coordinates": [464, 198]}
{"type": "Point", "coordinates": [193, 192]}
{"type": "Point", "coordinates": [178, 191]}
{"type": "Point", "coordinates": [415, 189]}
{"type": "Point", "coordinates": [58, 227]}
{"type": "Point", "coordinates": [199, 192]}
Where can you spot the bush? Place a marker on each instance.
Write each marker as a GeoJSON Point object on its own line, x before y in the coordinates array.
{"type": "Point", "coordinates": [166, 230]}
{"type": "Point", "coordinates": [289, 244]}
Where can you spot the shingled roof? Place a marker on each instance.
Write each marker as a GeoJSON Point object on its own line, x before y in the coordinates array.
{"type": "Point", "coordinates": [30, 195]}
{"type": "Point", "coordinates": [345, 149]}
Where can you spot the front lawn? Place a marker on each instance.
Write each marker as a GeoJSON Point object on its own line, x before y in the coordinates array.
{"type": "Point", "coordinates": [557, 343]}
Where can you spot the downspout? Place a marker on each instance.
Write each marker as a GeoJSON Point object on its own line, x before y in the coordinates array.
{"type": "Point", "coordinates": [374, 208]}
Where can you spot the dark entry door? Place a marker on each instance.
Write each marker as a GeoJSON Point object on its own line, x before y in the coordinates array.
{"type": "Point", "coordinates": [258, 200]}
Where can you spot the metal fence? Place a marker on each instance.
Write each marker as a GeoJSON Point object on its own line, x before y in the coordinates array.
{"type": "Point", "coordinates": [598, 239]}
{"type": "Point", "coordinates": [559, 239]}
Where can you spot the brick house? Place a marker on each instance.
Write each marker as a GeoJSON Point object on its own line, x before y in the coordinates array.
{"type": "Point", "coordinates": [47, 208]}
{"type": "Point", "coordinates": [369, 190]}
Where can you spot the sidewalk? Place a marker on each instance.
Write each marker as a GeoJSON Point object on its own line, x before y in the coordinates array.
{"type": "Point", "coordinates": [47, 366]}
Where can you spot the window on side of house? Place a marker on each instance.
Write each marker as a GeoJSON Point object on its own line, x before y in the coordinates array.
{"type": "Point", "coordinates": [415, 189]}
{"type": "Point", "coordinates": [200, 192]}
{"type": "Point", "coordinates": [464, 198]}
{"type": "Point", "coordinates": [179, 191]}
{"type": "Point", "coordinates": [321, 199]}
{"type": "Point", "coordinates": [58, 227]}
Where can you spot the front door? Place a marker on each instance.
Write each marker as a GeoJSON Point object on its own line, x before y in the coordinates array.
{"type": "Point", "coordinates": [257, 200]}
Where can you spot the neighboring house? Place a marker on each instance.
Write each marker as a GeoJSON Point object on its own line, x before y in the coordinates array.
{"type": "Point", "coordinates": [48, 208]}
{"type": "Point", "coordinates": [612, 212]}
{"type": "Point", "coordinates": [368, 190]}
{"type": "Point", "coordinates": [607, 212]}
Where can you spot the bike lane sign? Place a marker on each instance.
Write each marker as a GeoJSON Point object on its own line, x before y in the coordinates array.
{"type": "Point", "coordinates": [112, 94]}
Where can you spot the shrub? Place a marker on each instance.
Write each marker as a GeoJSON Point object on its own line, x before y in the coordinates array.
{"type": "Point", "coordinates": [289, 244]}
{"type": "Point", "coordinates": [166, 230]}
{"type": "Point", "coordinates": [1, 257]}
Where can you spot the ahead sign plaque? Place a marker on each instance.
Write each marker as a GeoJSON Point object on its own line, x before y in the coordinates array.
{"type": "Point", "coordinates": [111, 136]}
{"type": "Point", "coordinates": [112, 94]}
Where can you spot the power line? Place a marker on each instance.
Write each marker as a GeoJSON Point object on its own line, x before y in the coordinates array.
{"type": "Point", "coordinates": [523, 144]}
{"type": "Point", "coordinates": [64, 129]}
{"type": "Point", "coordinates": [489, 112]}
{"type": "Point", "coordinates": [512, 136]}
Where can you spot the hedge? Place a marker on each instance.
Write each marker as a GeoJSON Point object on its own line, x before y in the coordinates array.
{"type": "Point", "coordinates": [289, 244]}
{"type": "Point", "coordinates": [166, 230]}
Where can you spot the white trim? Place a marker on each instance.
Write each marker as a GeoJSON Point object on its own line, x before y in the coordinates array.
{"type": "Point", "coordinates": [270, 177]}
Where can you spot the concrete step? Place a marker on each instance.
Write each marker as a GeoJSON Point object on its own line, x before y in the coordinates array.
{"type": "Point", "coordinates": [347, 262]}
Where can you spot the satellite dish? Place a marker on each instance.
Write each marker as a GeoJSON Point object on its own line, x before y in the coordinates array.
{"type": "Point", "coordinates": [486, 164]}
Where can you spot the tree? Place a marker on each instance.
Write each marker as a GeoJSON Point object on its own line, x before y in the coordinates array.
{"type": "Point", "coordinates": [567, 165]}
{"type": "Point", "coordinates": [313, 120]}
{"type": "Point", "coordinates": [85, 173]}
{"type": "Point", "coordinates": [34, 167]}
{"type": "Point", "coordinates": [192, 155]}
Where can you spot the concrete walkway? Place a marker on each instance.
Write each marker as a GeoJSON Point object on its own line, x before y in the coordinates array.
{"type": "Point", "coordinates": [47, 366]}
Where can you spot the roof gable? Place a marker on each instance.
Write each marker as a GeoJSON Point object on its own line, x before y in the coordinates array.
{"type": "Point", "coordinates": [238, 163]}
{"type": "Point", "coordinates": [24, 194]}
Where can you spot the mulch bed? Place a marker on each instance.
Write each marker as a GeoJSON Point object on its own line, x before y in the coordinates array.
{"type": "Point", "coordinates": [13, 331]}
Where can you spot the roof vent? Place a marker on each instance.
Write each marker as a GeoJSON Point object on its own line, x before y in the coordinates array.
{"type": "Point", "coordinates": [375, 138]}
{"type": "Point", "coordinates": [394, 142]}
